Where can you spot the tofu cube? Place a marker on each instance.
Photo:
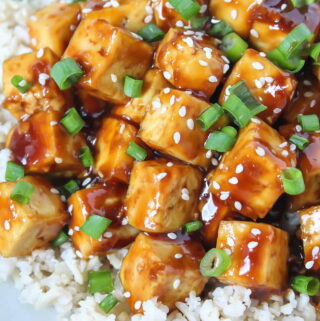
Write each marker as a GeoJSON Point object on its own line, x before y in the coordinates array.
{"type": "Point", "coordinates": [43, 146]}
{"type": "Point", "coordinates": [248, 177]}
{"type": "Point", "coordinates": [44, 94]}
{"type": "Point", "coordinates": [170, 126]}
{"type": "Point", "coordinates": [268, 84]}
{"type": "Point", "coordinates": [162, 195]}
{"type": "Point", "coordinates": [259, 253]}
{"type": "Point", "coordinates": [107, 54]}
{"type": "Point", "coordinates": [113, 138]}
{"type": "Point", "coordinates": [157, 266]}
{"type": "Point", "coordinates": [53, 26]}
{"type": "Point", "coordinates": [106, 201]}
{"type": "Point", "coordinates": [132, 15]}
{"type": "Point", "coordinates": [190, 61]}
{"type": "Point", "coordinates": [310, 235]}
{"type": "Point", "coordinates": [26, 227]}
{"type": "Point", "coordinates": [167, 17]}
{"type": "Point", "coordinates": [136, 108]}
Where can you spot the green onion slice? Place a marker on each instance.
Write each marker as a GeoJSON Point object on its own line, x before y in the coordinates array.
{"type": "Point", "coordinates": [20, 83]}
{"type": "Point", "coordinates": [22, 192]}
{"type": "Point", "coordinates": [292, 181]}
{"type": "Point", "coordinates": [309, 123]}
{"type": "Point", "coordinates": [198, 23]}
{"type": "Point", "coordinates": [315, 53]}
{"type": "Point", "coordinates": [229, 130]}
{"type": "Point", "coordinates": [306, 284]}
{"type": "Point", "coordinates": [71, 187]}
{"type": "Point", "coordinates": [13, 172]}
{"type": "Point", "coordinates": [100, 281]}
{"type": "Point", "coordinates": [220, 141]}
{"type": "Point", "coordinates": [132, 87]}
{"type": "Point", "coordinates": [301, 3]}
{"type": "Point", "coordinates": [151, 33]}
{"type": "Point", "coordinates": [220, 29]}
{"type": "Point", "coordinates": [192, 226]}
{"type": "Point", "coordinates": [86, 156]}
{"type": "Point", "coordinates": [108, 303]}
{"type": "Point", "coordinates": [186, 8]}
{"type": "Point", "coordinates": [214, 263]}
{"type": "Point", "coordinates": [61, 238]}
{"type": "Point", "coordinates": [95, 226]}
{"type": "Point", "coordinates": [72, 121]}
{"type": "Point", "coordinates": [233, 46]}
{"type": "Point", "coordinates": [210, 116]}
{"type": "Point", "coordinates": [299, 141]}
{"type": "Point", "coordinates": [66, 73]}
{"type": "Point", "coordinates": [136, 151]}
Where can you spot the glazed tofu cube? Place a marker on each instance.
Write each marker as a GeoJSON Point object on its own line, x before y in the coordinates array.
{"type": "Point", "coordinates": [167, 17]}
{"type": "Point", "coordinates": [113, 139]}
{"type": "Point", "coordinates": [53, 26]}
{"type": "Point", "coordinates": [91, 105]}
{"type": "Point", "coordinates": [132, 15]}
{"type": "Point", "coordinates": [309, 164]}
{"type": "Point", "coordinates": [26, 227]}
{"type": "Point", "coordinates": [162, 195]}
{"type": "Point", "coordinates": [106, 201]}
{"type": "Point", "coordinates": [267, 83]}
{"type": "Point", "coordinates": [310, 235]}
{"type": "Point", "coordinates": [42, 146]}
{"type": "Point", "coordinates": [258, 253]}
{"type": "Point", "coordinates": [157, 266]}
{"type": "Point", "coordinates": [44, 94]}
{"type": "Point", "coordinates": [108, 54]}
{"type": "Point", "coordinates": [170, 126]}
{"type": "Point", "coordinates": [136, 108]}
{"type": "Point", "coordinates": [306, 100]}
{"type": "Point", "coordinates": [248, 177]}
{"type": "Point", "coordinates": [190, 62]}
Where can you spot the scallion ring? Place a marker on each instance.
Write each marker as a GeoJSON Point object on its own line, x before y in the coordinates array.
{"type": "Point", "coordinates": [136, 151]}
{"type": "Point", "coordinates": [192, 226]}
{"type": "Point", "coordinates": [299, 141]}
{"type": "Point", "coordinates": [20, 83]}
{"type": "Point", "coordinates": [86, 156]}
{"type": "Point", "coordinates": [132, 87]}
{"type": "Point", "coordinates": [292, 181]}
{"type": "Point", "coordinates": [100, 281]}
{"type": "Point", "coordinates": [95, 226]}
{"type": "Point", "coordinates": [214, 263]}
{"type": "Point", "coordinates": [108, 303]}
{"type": "Point", "coordinates": [210, 116]}
{"type": "Point", "coordinates": [233, 46]}
{"type": "Point", "coordinates": [72, 121]}
{"type": "Point", "coordinates": [61, 238]}
{"type": "Point", "coordinates": [186, 8]}
{"type": "Point", "coordinates": [151, 33]}
{"type": "Point", "coordinates": [306, 284]}
{"type": "Point", "coordinates": [22, 192]}
{"type": "Point", "coordinates": [13, 172]}
{"type": "Point", "coordinates": [309, 123]}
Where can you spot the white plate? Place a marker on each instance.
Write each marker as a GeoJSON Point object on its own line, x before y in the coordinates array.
{"type": "Point", "coordinates": [12, 310]}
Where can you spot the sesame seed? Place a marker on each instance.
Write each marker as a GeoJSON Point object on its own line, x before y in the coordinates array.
{"type": "Point", "coordinates": [228, 251]}
{"type": "Point", "coordinates": [114, 78]}
{"type": "Point", "coordinates": [166, 90]}
{"type": "Point", "coordinates": [208, 154]}
{"type": "Point", "coordinates": [313, 103]}
{"type": "Point", "coordinates": [234, 14]}
{"type": "Point", "coordinates": [77, 228]}
{"type": "Point", "coordinates": [215, 185]}
{"type": "Point", "coordinates": [298, 128]}
{"type": "Point", "coordinates": [225, 59]}
{"type": "Point", "coordinates": [203, 8]}
{"type": "Point", "coordinates": [34, 41]}
{"type": "Point", "coordinates": [179, 23]}
{"type": "Point", "coordinates": [127, 294]}
{"type": "Point", "coordinates": [161, 176]}
{"type": "Point", "coordinates": [254, 33]}
{"type": "Point", "coordinates": [137, 305]}
{"type": "Point", "coordinates": [79, 254]}
{"type": "Point", "coordinates": [40, 53]}
{"type": "Point", "coordinates": [283, 6]}
{"type": "Point", "coordinates": [257, 65]}
{"type": "Point", "coordinates": [190, 124]}
{"type": "Point", "coordinates": [239, 169]}
{"type": "Point", "coordinates": [172, 100]}
{"type": "Point", "coordinates": [178, 256]}
{"type": "Point", "coordinates": [256, 120]}
{"type": "Point", "coordinates": [262, 54]}
{"type": "Point", "coordinates": [53, 123]}
{"type": "Point", "coordinates": [237, 205]}
{"type": "Point", "coordinates": [277, 110]}
{"type": "Point", "coordinates": [233, 180]}
{"type": "Point", "coordinates": [308, 94]}
{"type": "Point", "coordinates": [203, 63]}
{"type": "Point", "coordinates": [22, 83]}
{"type": "Point", "coordinates": [258, 83]}
{"type": "Point", "coordinates": [6, 225]}
{"type": "Point", "coordinates": [172, 236]}
{"type": "Point", "coordinates": [213, 79]}
{"type": "Point", "coordinates": [176, 284]}
{"type": "Point", "coordinates": [269, 80]}
{"type": "Point", "coordinates": [176, 137]}
{"type": "Point", "coordinates": [33, 18]}
{"type": "Point", "coordinates": [225, 68]}
{"type": "Point", "coordinates": [255, 231]}
{"type": "Point", "coordinates": [307, 82]}
{"type": "Point", "coordinates": [54, 191]}
{"type": "Point", "coordinates": [107, 235]}
{"type": "Point", "coordinates": [315, 251]}
{"type": "Point", "coordinates": [86, 10]}
{"type": "Point", "coordinates": [167, 75]}
{"type": "Point", "coordinates": [156, 103]}
{"type": "Point", "coordinates": [252, 245]}
{"type": "Point", "coordinates": [284, 144]}
{"type": "Point", "coordinates": [260, 151]}
{"type": "Point", "coordinates": [169, 164]}
{"type": "Point", "coordinates": [63, 198]}
{"type": "Point", "coordinates": [224, 195]}
{"type": "Point", "coordinates": [58, 160]}
{"type": "Point", "coordinates": [309, 265]}
{"type": "Point", "coordinates": [70, 232]}
{"type": "Point", "coordinates": [285, 153]}
{"type": "Point", "coordinates": [148, 19]}
{"type": "Point", "coordinates": [230, 241]}
{"type": "Point", "coordinates": [43, 78]}
{"type": "Point", "coordinates": [214, 162]}
{"type": "Point", "coordinates": [293, 147]}
{"type": "Point", "coordinates": [188, 41]}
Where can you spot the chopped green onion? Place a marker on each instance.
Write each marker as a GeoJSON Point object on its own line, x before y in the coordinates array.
{"type": "Point", "coordinates": [192, 226]}
{"type": "Point", "coordinates": [306, 284]}
{"type": "Point", "coordinates": [13, 171]}
{"type": "Point", "coordinates": [210, 116]}
{"type": "Point", "coordinates": [71, 187]}
{"type": "Point", "coordinates": [315, 53]}
{"type": "Point", "coordinates": [220, 29]}
{"type": "Point", "coordinates": [220, 141]}
{"type": "Point", "coordinates": [186, 8]}
{"type": "Point", "coordinates": [301, 3]}
{"type": "Point", "coordinates": [108, 303]}
{"type": "Point", "coordinates": [229, 130]}
{"type": "Point", "coordinates": [238, 110]}
{"type": "Point", "coordinates": [296, 41]}
{"type": "Point", "coordinates": [151, 33]}
{"type": "Point", "coordinates": [309, 123]}
{"type": "Point", "coordinates": [292, 181]}
{"type": "Point", "coordinates": [66, 73]}
{"type": "Point", "coordinates": [197, 23]}
{"type": "Point", "coordinates": [20, 83]}
{"type": "Point", "coordinates": [86, 156]}
{"type": "Point", "coordinates": [233, 46]}
{"type": "Point", "coordinates": [214, 263]}
{"type": "Point", "coordinates": [299, 141]}
{"type": "Point", "coordinates": [136, 151]}
{"type": "Point", "coordinates": [76, 1]}
{"type": "Point", "coordinates": [132, 87]}
{"type": "Point", "coordinates": [242, 91]}
{"type": "Point", "coordinates": [22, 192]}
{"type": "Point", "coordinates": [72, 121]}
{"type": "Point", "coordinates": [100, 281]}
{"type": "Point", "coordinates": [61, 238]}
{"type": "Point", "coordinates": [95, 226]}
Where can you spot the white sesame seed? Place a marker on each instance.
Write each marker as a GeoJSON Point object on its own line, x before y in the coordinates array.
{"type": "Point", "coordinates": [70, 232]}
{"type": "Point", "coordinates": [209, 154]}
{"type": "Point", "coordinates": [33, 18]}
{"type": "Point", "coordinates": [203, 8]}
{"type": "Point", "coordinates": [6, 225]}
{"type": "Point", "coordinates": [260, 151]}
{"type": "Point", "coordinates": [269, 80]}
{"type": "Point", "coordinates": [228, 251]}
{"type": "Point", "coordinates": [172, 236]}
{"type": "Point", "coordinates": [54, 191]}
{"type": "Point", "coordinates": [190, 123]}
{"type": "Point", "coordinates": [77, 228]}
{"type": "Point", "coordinates": [252, 245]}
{"type": "Point", "coordinates": [86, 10]}
{"type": "Point", "coordinates": [258, 83]}
{"type": "Point", "coordinates": [283, 6]}
{"type": "Point", "coordinates": [182, 111]}
{"type": "Point", "coordinates": [79, 254]}
{"type": "Point", "coordinates": [284, 144]}
{"type": "Point", "coordinates": [225, 68]}
{"type": "Point", "coordinates": [40, 53]}
{"type": "Point", "coordinates": [53, 123]}
{"type": "Point", "coordinates": [167, 75]}
{"type": "Point", "coordinates": [308, 94]}
{"type": "Point", "coordinates": [179, 23]}
{"type": "Point", "coordinates": [176, 284]}
{"type": "Point", "coordinates": [277, 110]}
{"type": "Point", "coordinates": [224, 195]}
{"type": "Point", "coordinates": [309, 265]}
{"type": "Point", "coordinates": [307, 82]}
{"type": "Point", "coordinates": [114, 78]}
{"type": "Point", "coordinates": [230, 241]}
{"type": "Point", "coordinates": [107, 235]}
{"type": "Point", "coordinates": [70, 208]}
{"type": "Point", "coordinates": [237, 205]}
{"type": "Point", "coordinates": [262, 54]}
{"type": "Point", "coordinates": [58, 160]}
{"type": "Point", "coordinates": [293, 147]}
{"type": "Point", "coordinates": [254, 33]}
{"type": "Point", "coordinates": [256, 120]}
{"type": "Point", "coordinates": [127, 294]}
{"type": "Point", "coordinates": [188, 41]}
{"type": "Point", "coordinates": [178, 256]}
{"type": "Point", "coordinates": [137, 305]}
{"type": "Point", "coordinates": [172, 100]}
{"type": "Point", "coordinates": [216, 185]}
{"type": "Point", "coordinates": [313, 103]}
{"type": "Point", "coordinates": [239, 169]}
{"type": "Point", "coordinates": [257, 65]}
{"type": "Point", "coordinates": [255, 231]}
{"type": "Point", "coordinates": [148, 19]}
{"type": "Point", "coordinates": [203, 63]}
{"type": "Point", "coordinates": [315, 251]}
{"type": "Point", "coordinates": [212, 79]}
{"type": "Point", "coordinates": [176, 137]}
{"type": "Point", "coordinates": [161, 176]}
{"type": "Point", "coordinates": [233, 180]}
{"type": "Point", "coordinates": [285, 153]}
{"type": "Point", "coordinates": [225, 59]}
{"type": "Point", "coordinates": [63, 198]}
{"type": "Point", "coordinates": [43, 78]}
{"type": "Point", "coordinates": [234, 14]}
{"type": "Point", "coordinates": [298, 128]}
{"type": "Point", "coordinates": [22, 83]}
{"type": "Point", "coordinates": [169, 164]}
{"type": "Point", "coordinates": [166, 90]}
{"type": "Point", "coordinates": [156, 103]}
{"type": "Point", "coordinates": [214, 162]}
{"type": "Point", "coordinates": [34, 41]}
